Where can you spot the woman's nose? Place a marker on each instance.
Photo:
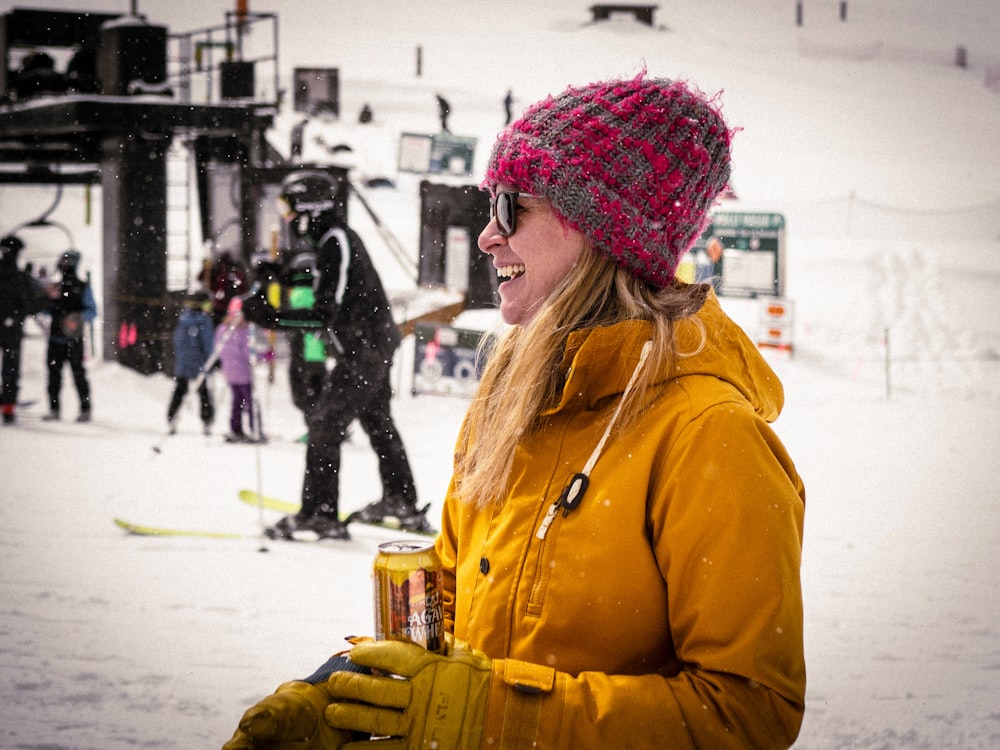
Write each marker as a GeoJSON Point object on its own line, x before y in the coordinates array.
{"type": "Point", "coordinates": [490, 237]}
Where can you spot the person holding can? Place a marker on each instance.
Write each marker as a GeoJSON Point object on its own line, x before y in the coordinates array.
{"type": "Point", "coordinates": [621, 539]}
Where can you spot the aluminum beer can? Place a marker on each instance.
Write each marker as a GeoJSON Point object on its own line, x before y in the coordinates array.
{"type": "Point", "coordinates": [408, 582]}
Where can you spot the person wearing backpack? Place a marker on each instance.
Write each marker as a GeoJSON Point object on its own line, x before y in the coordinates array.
{"type": "Point", "coordinates": [71, 306]}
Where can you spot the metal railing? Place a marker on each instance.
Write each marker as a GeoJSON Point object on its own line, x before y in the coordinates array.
{"type": "Point", "coordinates": [199, 60]}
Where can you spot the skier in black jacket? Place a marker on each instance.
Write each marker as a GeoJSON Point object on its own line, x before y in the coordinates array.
{"type": "Point", "coordinates": [19, 296]}
{"type": "Point", "coordinates": [71, 305]}
{"type": "Point", "coordinates": [351, 308]}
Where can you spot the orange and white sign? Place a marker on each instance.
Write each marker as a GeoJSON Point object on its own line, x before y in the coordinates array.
{"type": "Point", "coordinates": [775, 321]}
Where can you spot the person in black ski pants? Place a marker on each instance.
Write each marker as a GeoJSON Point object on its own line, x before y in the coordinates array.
{"type": "Point", "coordinates": [71, 305]}
{"type": "Point", "coordinates": [20, 296]}
{"type": "Point", "coordinates": [193, 340]}
{"type": "Point", "coordinates": [350, 306]}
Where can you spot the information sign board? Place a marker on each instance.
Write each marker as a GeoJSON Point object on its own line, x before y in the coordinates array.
{"type": "Point", "coordinates": [445, 360]}
{"type": "Point", "coordinates": [440, 153]}
{"type": "Point", "coordinates": [742, 253]}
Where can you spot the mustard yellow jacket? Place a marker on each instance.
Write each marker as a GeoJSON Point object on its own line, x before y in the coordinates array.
{"type": "Point", "coordinates": [665, 611]}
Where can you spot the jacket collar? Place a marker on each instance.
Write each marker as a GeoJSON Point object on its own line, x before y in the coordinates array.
{"type": "Point", "coordinates": [598, 362]}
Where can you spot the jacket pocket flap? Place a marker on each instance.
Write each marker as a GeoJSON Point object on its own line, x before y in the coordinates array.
{"type": "Point", "coordinates": [527, 677]}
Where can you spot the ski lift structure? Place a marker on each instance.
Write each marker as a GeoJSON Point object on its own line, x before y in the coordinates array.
{"type": "Point", "coordinates": [115, 101]}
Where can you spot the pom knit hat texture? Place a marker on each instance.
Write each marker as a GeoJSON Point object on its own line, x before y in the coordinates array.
{"type": "Point", "coordinates": [634, 165]}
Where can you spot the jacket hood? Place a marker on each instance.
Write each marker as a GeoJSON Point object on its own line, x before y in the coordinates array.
{"type": "Point", "coordinates": [730, 355]}
{"type": "Point", "coordinates": [599, 362]}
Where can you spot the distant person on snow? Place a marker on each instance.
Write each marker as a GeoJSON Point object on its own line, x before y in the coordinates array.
{"type": "Point", "coordinates": [71, 305]}
{"type": "Point", "coordinates": [350, 308]}
{"type": "Point", "coordinates": [622, 536]}
{"type": "Point", "coordinates": [193, 342]}
{"type": "Point", "coordinates": [232, 337]}
{"type": "Point", "coordinates": [20, 296]}
{"type": "Point", "coordinates": [508, 107]}
{"type": "Point", "coordinates": [227, 278]}
{"type": "Point", "coordinates": [444, 109]}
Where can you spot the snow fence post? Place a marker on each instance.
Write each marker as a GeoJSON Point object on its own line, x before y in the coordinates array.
{"type": "Point", "coordinates": [888, 367]}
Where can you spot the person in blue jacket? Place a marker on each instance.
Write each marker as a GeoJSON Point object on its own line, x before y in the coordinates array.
{"type": "Point", "coordinates": [193, 337]}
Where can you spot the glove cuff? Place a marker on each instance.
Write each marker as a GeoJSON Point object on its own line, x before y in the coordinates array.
{"type": "Point", "coordinates": [514, 707]}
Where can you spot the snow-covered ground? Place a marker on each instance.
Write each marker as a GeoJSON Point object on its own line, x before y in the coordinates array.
{"type": "Point", "coordinates": [883, 157]}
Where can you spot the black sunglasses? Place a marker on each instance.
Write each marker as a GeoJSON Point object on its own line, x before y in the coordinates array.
{"type": "Point", "coordinates": [503, 208]}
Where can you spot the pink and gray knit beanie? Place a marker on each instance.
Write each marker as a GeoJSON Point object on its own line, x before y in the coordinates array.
{"type": "Point", "coordinates": [634, 165]}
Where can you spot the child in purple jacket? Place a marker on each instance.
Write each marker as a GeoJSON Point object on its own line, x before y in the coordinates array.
{"type": "Point", "coordinates": [235, 361]}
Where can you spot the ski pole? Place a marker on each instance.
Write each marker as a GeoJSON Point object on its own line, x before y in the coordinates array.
{"type": "Point", "coordinates": [259, 430]}
{"type": "Point", "coordinates": [158, 445]}
{"type": "Point", "coordinates": [214, 356]}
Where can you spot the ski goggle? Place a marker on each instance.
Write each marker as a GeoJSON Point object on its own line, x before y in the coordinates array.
{"type": "Point", "coordinates": [503, 208]}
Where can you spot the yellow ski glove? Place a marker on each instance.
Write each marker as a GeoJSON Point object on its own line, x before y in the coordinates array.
{"type": "Point", "coordinates": [440, 704]}
{"type": "Point", "coordinates": [291, 717]}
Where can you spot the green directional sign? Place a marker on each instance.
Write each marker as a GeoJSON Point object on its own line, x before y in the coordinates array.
{"type": "Point", "coordinates": [742, 253]}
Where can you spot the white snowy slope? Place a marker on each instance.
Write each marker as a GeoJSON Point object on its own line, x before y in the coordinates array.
{"type": "Point", "coordinates": [882, 156]}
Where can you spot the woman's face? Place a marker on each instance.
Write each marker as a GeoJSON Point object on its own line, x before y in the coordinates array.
{"type": "Point", "coordinates": [533, 260]}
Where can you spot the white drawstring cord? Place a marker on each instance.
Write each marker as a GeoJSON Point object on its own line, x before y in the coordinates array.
{"type": "Point", "coordinates": [573, 494]}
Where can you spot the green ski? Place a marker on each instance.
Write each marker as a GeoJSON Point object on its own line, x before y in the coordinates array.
{"type": "Point", "coordinates": [140, 530]}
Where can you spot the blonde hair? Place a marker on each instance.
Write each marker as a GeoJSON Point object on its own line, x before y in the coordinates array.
{"type": "Point", "coordinates": [522, 376]}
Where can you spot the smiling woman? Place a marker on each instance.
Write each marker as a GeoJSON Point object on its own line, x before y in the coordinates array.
{"type": "Point", "coordinates": [617, 496]}
{"type": "Point", "coordinates": [532, 262]}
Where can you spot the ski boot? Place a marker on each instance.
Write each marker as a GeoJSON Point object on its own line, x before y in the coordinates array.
{"type": "Point", "coordinates": [411, 519]}
{"type": "Point", "coordinates": [374, 512]}
{"type": "Point", "coordinates": [283, 528]}
{"type": "Point", "coordinates": [406, 514]}
{"type": "Point", "coordinates": [328, 528]}
{"type": "Point", "coordinates": [323, 528]}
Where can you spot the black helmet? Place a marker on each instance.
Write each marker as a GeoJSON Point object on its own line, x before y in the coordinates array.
{"type": "Point", "coordinates": [308, 192]}
{"type": "Point", "coordinates": [70, 258]}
